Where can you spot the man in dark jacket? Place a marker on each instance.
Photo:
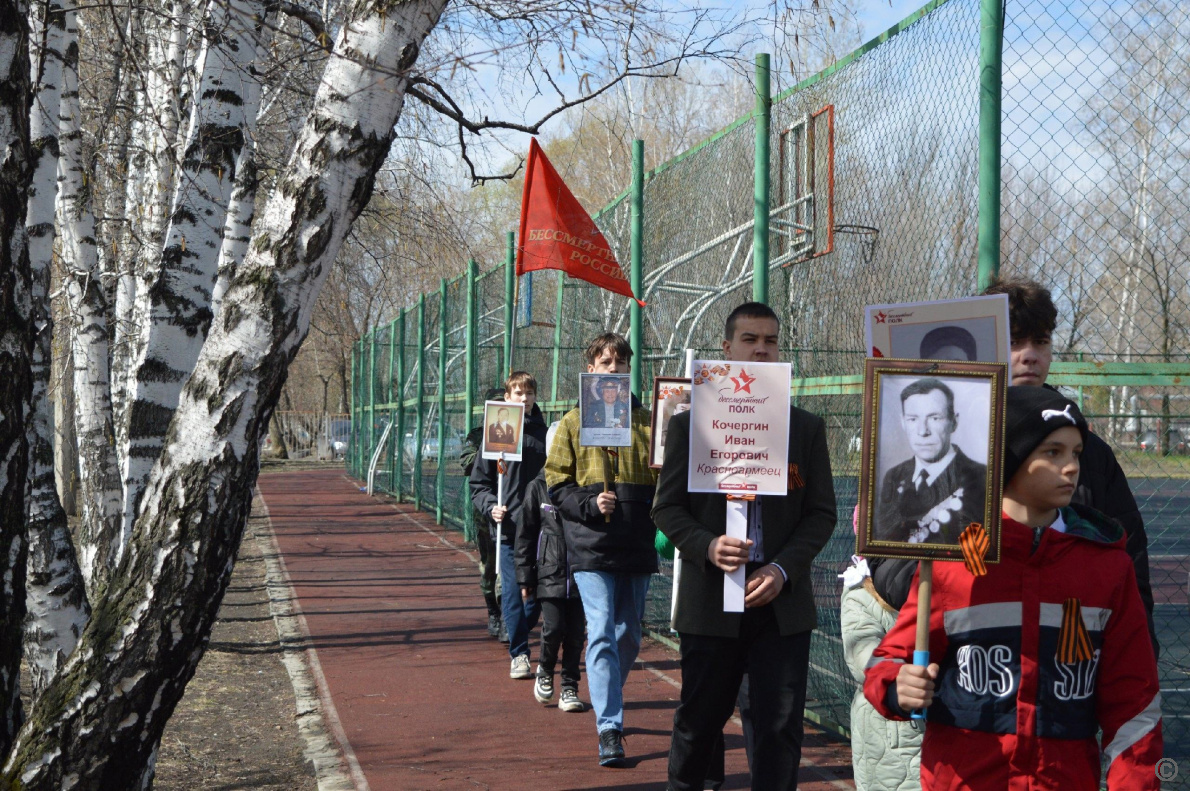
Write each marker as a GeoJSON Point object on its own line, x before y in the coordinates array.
{"type": "Point", "coordinates": [770, 640]}
{"type": "Point", "coordinates": [519, 616]}
{"type": "Point", "coordinates": [1101, 483]}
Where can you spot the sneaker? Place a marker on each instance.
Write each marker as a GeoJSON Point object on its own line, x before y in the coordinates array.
{"type": "Point", "coordinates": [502, 635]}
{"type": "Point", "coordinates": [611, 748]}
{"type": "Point", "coordinates": [494, 625]}
{"type": "Point", "coordinates": [520, 667]}
{"type": "Point", "coordinates": [569, 701]}
{"type": "Point", "coordinates": [543, 689]}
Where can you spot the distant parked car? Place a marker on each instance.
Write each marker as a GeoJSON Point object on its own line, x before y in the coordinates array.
{"type": "Point", "coordinates": [340, 437]}
{"type": "Point", "coordinates": [429, 448]}
{"type": "Point", "coordinates": [1150, 442]}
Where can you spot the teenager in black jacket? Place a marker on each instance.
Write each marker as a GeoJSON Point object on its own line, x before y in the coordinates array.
{"type": "Point", "coordinates": [1101, 482]}
{"type": "Point", "coordinates": [519, 616]}
{"type": "Point", "coordinates": [542, 568]}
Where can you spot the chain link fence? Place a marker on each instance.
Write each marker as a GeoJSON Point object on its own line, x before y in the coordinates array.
{"type": "Point", "coordinates": [873, 198]}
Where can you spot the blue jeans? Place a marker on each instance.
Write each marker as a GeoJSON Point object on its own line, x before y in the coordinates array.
{"type": "Point", "coordinates": [614, 605]}
{"type": "Point", "coordinates": [519, 617]}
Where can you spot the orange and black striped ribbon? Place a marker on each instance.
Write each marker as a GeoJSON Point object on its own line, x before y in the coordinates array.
{"type": "Point", "coordinates": [501, 467]}
{"type": "Point", "coordinates": [795, 478]}
{"type": "Point", "coordinates": [975, 542]}
{"type": "Point", "coordinates": [1074, 644]}
{"type": "Point", "coordinates": [748, 497]}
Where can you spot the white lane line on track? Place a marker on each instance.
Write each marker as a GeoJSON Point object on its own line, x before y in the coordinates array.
{"type": "Point", "coordinates": [315, 705]}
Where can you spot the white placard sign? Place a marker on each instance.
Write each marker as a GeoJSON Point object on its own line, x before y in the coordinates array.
{"type": "Point", "coordinates": [739, 428]}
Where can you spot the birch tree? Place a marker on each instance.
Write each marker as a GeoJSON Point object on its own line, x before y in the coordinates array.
{"type": "Point", "coordinates": [175, 297]}
{"type": "Point", "coordinates": [15, 351]}
{"type": "Point", "coordinates": [57, 606]}
{"type": "Point", "coordinates": [99, 480]}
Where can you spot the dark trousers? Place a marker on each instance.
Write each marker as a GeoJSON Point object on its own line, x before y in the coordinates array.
{"type": "Point", "coordinates": [485, 542]}
{"type": "Point", "coordinates": [562, 626]}
{"type": "Point", "coordinates": [712, 668]}
{"type": "Point", "coordinates": [716, 774]}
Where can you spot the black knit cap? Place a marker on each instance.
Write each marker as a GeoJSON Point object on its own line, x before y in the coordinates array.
{"type": "Point", "coordinates": [1030, 415]}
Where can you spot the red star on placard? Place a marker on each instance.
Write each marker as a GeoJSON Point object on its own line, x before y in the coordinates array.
{"type": "Point", "coordinates": [880, 317]}
{"type": "Point", "coordinates": [743, 382]}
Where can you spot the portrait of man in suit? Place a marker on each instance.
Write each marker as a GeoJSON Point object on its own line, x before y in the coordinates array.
{"type": "Point", "coordinates": [931, 497]}
{"type": "Point", "coordinates": [609, 410]}
{"type": "Point", "coordinates": [502, 429]}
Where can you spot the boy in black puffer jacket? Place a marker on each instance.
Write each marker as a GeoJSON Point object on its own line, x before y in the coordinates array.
{"type": "Point", "coordinates": [542, 568]}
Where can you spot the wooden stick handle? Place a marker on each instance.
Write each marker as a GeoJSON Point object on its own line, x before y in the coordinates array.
{"type": "Point", "coordinates": [925, 586]}
{"type": "Point", "coordinates": [607, 518]}
{"type": "Point", "coordinates": [921, 653]}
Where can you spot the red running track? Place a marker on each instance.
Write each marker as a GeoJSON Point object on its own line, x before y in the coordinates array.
{"type": "Point", "coordinates": [396, 620]}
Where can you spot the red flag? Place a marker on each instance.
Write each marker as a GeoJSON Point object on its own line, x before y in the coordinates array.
{"type": "Point", "coordinates": [557, 233]}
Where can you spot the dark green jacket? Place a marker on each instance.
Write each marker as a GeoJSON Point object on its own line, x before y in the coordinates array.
{"type": "Point", "coordinates": [796, 527]}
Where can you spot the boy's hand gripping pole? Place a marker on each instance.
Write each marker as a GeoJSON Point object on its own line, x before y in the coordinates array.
{"type": "Point", "coordinates": [610, 458]}
{"type": "Point", "coordinates": [921, 653]}
{"type": "Point", "coordinates": [501, 468]}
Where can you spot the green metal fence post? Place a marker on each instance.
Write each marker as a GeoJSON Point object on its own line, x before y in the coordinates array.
{"type": "Point", "coordinates": [419, 432]}
{"type": "Point", "coordinates": [469, 386]}
{"type": "Point", "coordinates": [636, 265]}
{"type": "Point", "coordinates": [509, 303]}
{"type": "Point", "coordinates": [760, 228]}
{"type": "Point", "coordinates": [371, 402]}
{"type": "Point", "coordinates": [357, 420]}
{"type": "Point", "coordinates": [557, 336]}
{"type": "Point", "coordinates": [398, 485]}
{"type": "Point", "coordinates": [991, 49]}
{"type": "Point", "coordinates": [440, 477]}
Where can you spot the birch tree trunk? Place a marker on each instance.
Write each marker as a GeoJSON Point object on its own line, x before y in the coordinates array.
{"type": "Point", "coordinates": [149, 194]}
{"type": "Point", "coordinates": [16, 339]}
{"type": "Point", "coordinates": [99, 480]}
{"type": "Point", "coordinates": [100, 722]}
{"type": "Point", "coordinates": [238, 228]}
{"type": "Point", "coordinates": [176, 298]}
{"type": "Point", "coordinates": [54, 594]}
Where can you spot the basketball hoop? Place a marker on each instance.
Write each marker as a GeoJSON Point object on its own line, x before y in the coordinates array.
{"type": "Point", "coordinates": [867, 236]}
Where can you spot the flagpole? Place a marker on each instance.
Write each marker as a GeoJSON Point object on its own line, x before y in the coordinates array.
{"type": "Point", "coordinates": [511, 297]}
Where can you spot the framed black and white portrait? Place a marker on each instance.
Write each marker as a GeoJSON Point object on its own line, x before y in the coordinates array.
{"type": "Point", "coordinates": [933, 436]}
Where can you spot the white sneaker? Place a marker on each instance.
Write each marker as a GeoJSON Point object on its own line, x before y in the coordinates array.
{"type": "Point", "coordinates": [520, 667]}
{"type": "Point", "coordinates": [569, 701]}
{"type": "Point", "coordinates": [543, 689]}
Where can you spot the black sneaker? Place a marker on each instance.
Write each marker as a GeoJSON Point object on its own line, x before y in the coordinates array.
{"type": "Point", "coordinates": [502, 635]}
{"type": "Point", "coordinates": [494, 625]}
{"type": "Point", "coordinates": [611, 748]}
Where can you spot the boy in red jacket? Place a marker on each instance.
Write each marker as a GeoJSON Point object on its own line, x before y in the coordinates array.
{"type": "Point", "coordinates": [1048, 647]}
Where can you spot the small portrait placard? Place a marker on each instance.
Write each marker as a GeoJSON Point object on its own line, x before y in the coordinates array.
{"type": "Point", "coordinates": [605, 411]}
{"type": "Point", "coordinates": [933, 444]}
{"type": "Point", "coordinates": [671, 396]}
{"type": "Point", "coordinates": [963, 330]}
{"type": "Point", "coordinates": [503, 430]}
{"type": "Point", "coordinates": [739, 427]}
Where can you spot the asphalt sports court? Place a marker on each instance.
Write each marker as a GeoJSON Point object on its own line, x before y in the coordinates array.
{"type": "Point", "coordinates": [416, 693]}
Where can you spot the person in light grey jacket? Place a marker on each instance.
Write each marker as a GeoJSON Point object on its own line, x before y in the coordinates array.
{"type": "Point", "coordinates": [885, 755]}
